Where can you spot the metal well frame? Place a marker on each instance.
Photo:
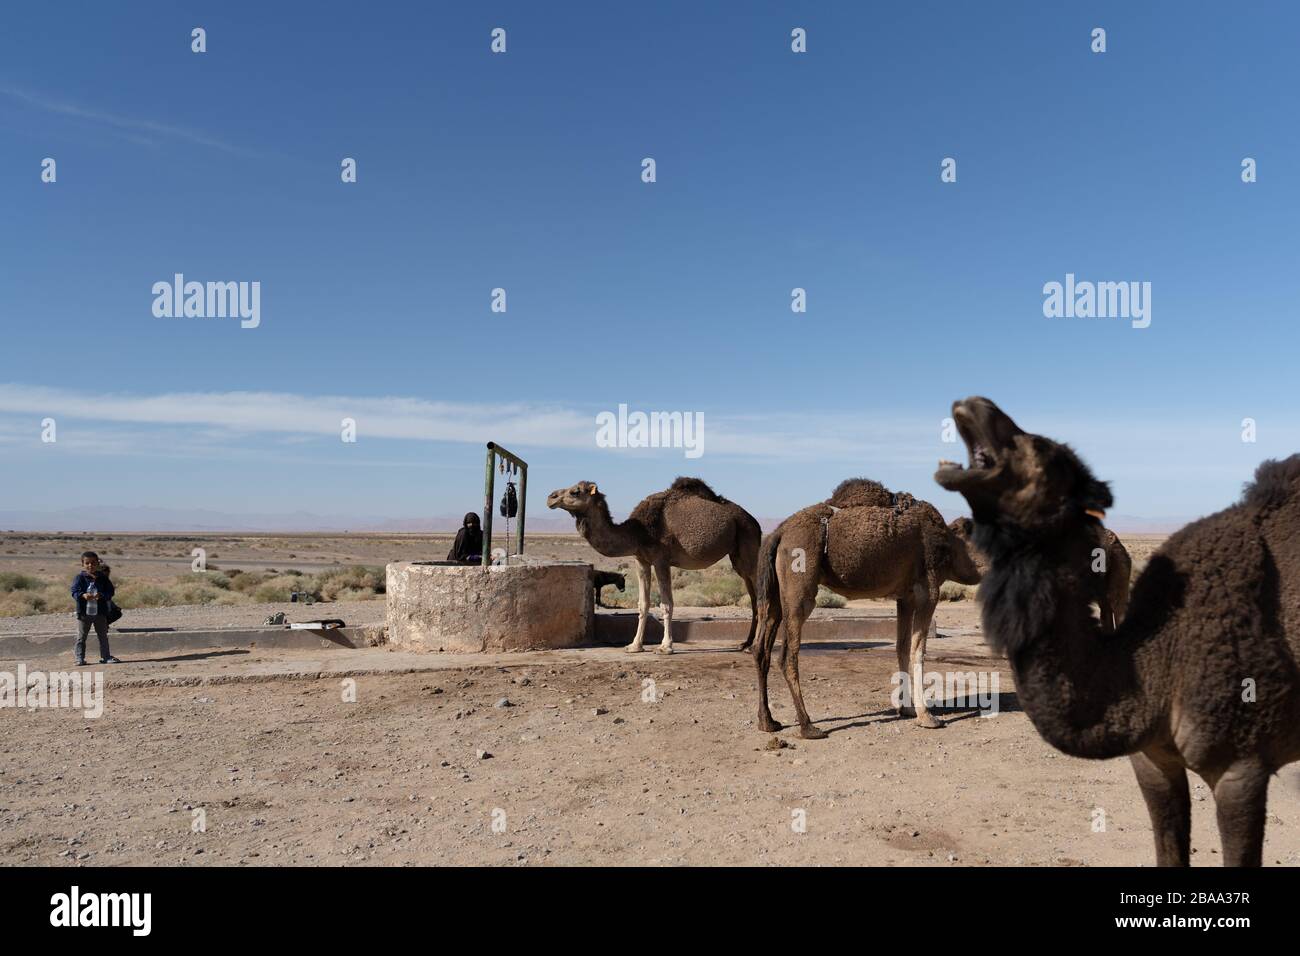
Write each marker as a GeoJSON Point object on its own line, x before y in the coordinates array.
{"type": "Point", "coordinates": [489, 492]}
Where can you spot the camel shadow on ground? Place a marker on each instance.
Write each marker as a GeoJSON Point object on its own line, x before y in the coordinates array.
{"type": "Point", "coordinates": [947, 712]}
{"type": "Point", "coordinates": [862, 645]}
{"type": "Point", "coordinates": [182, 657]}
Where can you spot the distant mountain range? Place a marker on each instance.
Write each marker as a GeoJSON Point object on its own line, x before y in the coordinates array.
{"type": "Point", "coordinates": [201, 520]}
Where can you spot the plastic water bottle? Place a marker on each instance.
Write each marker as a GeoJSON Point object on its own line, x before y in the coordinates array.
{"type": "Point", "coordinates": [92, 601]}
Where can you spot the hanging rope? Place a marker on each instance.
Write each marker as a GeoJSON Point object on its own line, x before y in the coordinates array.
{"type": "Point", "coordinates": [509, 500]}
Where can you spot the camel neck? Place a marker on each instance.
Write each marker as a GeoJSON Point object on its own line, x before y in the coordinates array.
{"type": "Point", "coordinates": [1089, 693]}
{"type": "Point", "coordinates": [610, 539]}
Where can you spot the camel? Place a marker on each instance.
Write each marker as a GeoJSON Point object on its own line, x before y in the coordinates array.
{"type": "Point", "coordinates": [1113, 573]}
{"type": "Point", "coordinates": [685, 526]}
{"type": "Point", "coordinates": [1201, 672]}
{"type": "Point", "coordinates": [862, 542]}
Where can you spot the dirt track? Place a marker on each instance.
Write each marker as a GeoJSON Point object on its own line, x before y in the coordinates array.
{"type": "Point", "coordinates": [584, 770]}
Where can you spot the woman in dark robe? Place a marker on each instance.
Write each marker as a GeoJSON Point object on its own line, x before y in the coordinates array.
{"type": "Point", "coordinates": [468, 548]}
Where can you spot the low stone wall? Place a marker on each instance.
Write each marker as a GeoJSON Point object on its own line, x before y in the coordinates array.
{"type": "Point", "coordinates": [522, 606]}
{"type": "Point", "coordinates": [145, 642]}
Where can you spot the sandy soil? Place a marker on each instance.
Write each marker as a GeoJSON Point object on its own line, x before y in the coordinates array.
{"type": "Point", "coordinates": [201, 617]}
{"type": "Point", "coordinates": [582, 769]}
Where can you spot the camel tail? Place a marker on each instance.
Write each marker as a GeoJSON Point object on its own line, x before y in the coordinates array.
{"type": "Point", "coordinates": [767, 587]}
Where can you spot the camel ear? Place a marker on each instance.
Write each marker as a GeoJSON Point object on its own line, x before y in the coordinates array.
{"type": "Point", "coordinates": [591, 488]}
{"type": "Point", "coordinates": [1096, 496]}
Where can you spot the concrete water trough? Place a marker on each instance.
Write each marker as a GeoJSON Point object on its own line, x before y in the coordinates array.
{"type": "Point", "coordinates": [525, 604]}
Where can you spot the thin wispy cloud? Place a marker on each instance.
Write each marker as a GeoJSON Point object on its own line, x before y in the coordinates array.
{"type": "Point", "coordinates": [237, 415]}
{"type": "Point", "coordinates": [213, 421]}
{"type": "Point", "coordinates": [135, 129]}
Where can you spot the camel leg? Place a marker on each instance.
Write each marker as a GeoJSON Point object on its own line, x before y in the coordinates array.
{"type": "Point", "coordinates": [768, 624]}
{"type": "Point", "coordinates": [920, 632]}
{"type": "Point", "coordinates": [1240, 796]}
{"type": "Point", "coordinates": [790, 665]}
{"type": "Point", "coordinates": [664, 575]}
{"type": "Point", "coordinates": [903, 647]}
{"type": "Point", "coordinates": [642, 604]}
{"type": "Point", "coordinates": [1164, 788]}
{"type": "Point", "coordinates": [745, 562]}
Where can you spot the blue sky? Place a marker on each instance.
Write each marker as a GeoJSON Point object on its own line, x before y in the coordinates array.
{"type": "Point", "coordinates": [522, 171]}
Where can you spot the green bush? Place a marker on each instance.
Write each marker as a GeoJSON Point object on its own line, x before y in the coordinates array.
{"type": "Point", "coordinates": [357, 581]}
{"type": "Point", "coordinates": [14, 581]}
{"type": "Point", "coordinates": [279, 588]}
{"type": "Point", "coordinates": [130, 594]}
{"type": "Point", "coordinates": [23, 594]}
{"type": "Point", "coordinates": [246, 582]}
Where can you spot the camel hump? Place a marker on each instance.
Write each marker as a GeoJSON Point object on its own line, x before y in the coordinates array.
{"type": "Point", "coordinates": [865, 493]}
{"type": "Point", "coordinates": [1276, 482]}
{"type": "Point", "coordinates": [696, 488]}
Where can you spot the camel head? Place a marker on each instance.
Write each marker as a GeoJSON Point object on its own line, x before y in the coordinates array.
{"type": "Point", "coordinates": [969, 565]}
{"type": "Point", "coordinates": [575, 500]}
{"type": "Point", "coordinates": [1015, 480]}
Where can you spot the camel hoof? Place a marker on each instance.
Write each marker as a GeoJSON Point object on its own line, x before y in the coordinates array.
{"type": "Point", "coordinates": [665, 648]}
{"type": "Point", "coordinates": [768, 725]}
{"type": "Point", "coordinates": [907, 712]}
{"type": "Point", "coordinates": [928, 721]}
{"type": "Point", "coordinates": [744, 647]}
{"type": "Point", "coordinates": [634, 648]}
{"type": "Point", "coordinates": [810, 732]}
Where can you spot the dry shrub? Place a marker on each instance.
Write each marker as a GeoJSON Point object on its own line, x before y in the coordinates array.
{"type": "Point", "coordinates": [828, 598]}
{"type": "Point", "coordinates": [952, 591]}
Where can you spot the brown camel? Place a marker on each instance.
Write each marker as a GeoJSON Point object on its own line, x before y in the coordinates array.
{"type": "Point", "coordinates": [1113, 568]}
{"type": "Point", "coordinates": [1201, 673]}
{"type": "Point", "coordinates": [863, 542]}
{"type": "Point", "coordinates": [687, 526]}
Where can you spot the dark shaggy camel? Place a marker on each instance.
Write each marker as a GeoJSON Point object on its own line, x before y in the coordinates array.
{"type": "Point", "coordinates": [1201, 673]}
{"type": "Point", "coordinates": [686, 526]}
{"type": "Point", "coordinates": [1110, 561]}
{"type": "Point", "coordinates": [862, 542]}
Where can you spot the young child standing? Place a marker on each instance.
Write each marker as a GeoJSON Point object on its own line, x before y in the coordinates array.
{"type": "Point", "coordinates": [92, 590]}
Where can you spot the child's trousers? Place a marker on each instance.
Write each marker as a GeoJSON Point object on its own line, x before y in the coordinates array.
{"type": "Point", "coordinates": [100, 621]}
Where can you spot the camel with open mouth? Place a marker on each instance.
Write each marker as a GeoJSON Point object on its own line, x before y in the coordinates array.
{"type": "Point", "coordinates": [1201, 673]}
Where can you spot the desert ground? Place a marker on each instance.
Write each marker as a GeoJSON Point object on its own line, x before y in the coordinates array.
{"type": "Point", "coordinates": [585, 756]}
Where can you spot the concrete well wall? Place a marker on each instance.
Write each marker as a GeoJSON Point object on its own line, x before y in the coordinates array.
{"type": "Point", "coordinates": [522, 606]}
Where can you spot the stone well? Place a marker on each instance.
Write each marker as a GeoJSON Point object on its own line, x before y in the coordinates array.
{"type": "Point", "coordinates": [521, 606]}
